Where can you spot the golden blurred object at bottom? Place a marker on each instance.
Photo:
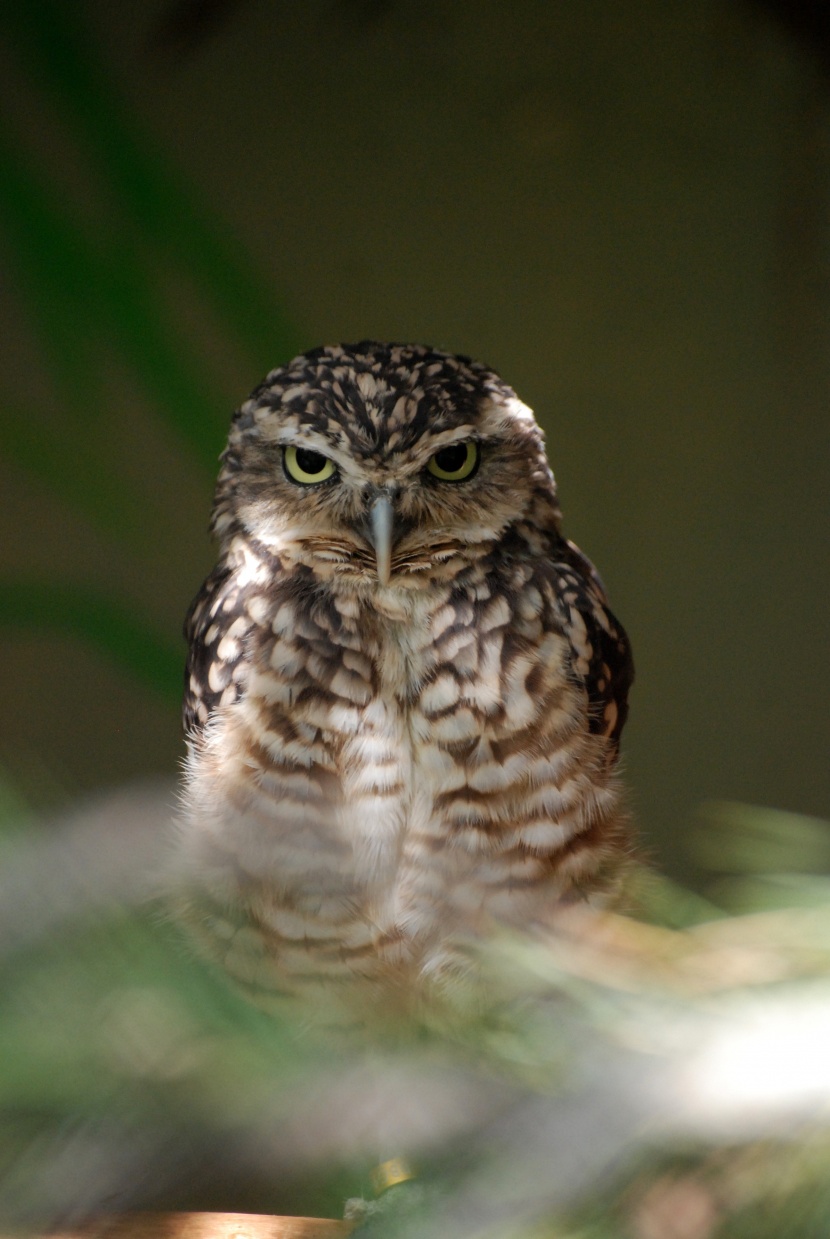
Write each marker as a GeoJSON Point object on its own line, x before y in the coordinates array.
{"type": "Point", "coordinates": [208, 1226]}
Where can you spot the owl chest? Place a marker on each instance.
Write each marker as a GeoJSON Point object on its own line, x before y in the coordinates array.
{"type": "Point", "coordinates": [348, 707]}
{"type": "Point", "coordinates": [378, 694]}
{"type": "Point", "coordinates": [399, 736]}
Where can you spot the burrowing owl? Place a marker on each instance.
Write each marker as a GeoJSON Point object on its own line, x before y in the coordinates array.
{"type": "Point", "coordinates": [405, 690]}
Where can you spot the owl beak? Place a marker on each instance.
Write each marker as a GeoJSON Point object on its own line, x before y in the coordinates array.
{"type": "Point", "coordinates": [381, 526]}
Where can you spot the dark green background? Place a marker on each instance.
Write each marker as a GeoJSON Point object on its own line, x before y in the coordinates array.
{"type": "Point", "coordinates": [622, 208]}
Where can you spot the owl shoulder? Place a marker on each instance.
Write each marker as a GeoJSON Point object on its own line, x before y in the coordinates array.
{"type": "Point", "coordinates": [216, 628]}
{"type": "Point", "coordinates": [600, 649]}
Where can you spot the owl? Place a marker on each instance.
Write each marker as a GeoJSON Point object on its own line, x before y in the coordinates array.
{"type": "Point", "coordinates": [404, 690]}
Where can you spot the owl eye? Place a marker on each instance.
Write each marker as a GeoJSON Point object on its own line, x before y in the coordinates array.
{"type": "Point", "coordinates": [455, 463]}
{"type": "Point", "coordinates": [303, 465]}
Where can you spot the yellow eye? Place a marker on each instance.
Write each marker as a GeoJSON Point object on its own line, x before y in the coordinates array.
{"type": "Point", "coordinates": [455, 463]}
{"type": "Point", "coordinates": [303, 465]}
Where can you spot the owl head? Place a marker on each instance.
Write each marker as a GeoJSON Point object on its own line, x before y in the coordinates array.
{"type": "Point", "coordinates": [381, 463]}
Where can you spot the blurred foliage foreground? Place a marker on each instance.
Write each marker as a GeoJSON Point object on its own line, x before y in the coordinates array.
{"type": "Point", "coordinates": [664, 1076]}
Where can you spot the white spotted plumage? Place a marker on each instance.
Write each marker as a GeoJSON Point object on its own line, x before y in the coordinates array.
{"type": "Point", "coordinates": [386, 765]}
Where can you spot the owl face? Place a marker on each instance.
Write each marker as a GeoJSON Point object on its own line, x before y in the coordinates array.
{"type": "Point", "coordinates": [380, 463]}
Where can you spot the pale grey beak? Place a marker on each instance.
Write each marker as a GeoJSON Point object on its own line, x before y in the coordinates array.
{"type": "Point", "coordinates": [381, 521]}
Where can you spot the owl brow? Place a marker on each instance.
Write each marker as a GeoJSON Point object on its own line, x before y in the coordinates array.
{"type": "Point", "coordinates": [346, 456]}
{"type": "Point", "coordinates": [448, 438]}
{"type": "Point", "coordinates": [309, 439]}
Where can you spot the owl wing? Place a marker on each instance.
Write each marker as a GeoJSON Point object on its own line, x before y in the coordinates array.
{"type": "Point", "coordinates": [601, 649]}
{"type": "Point", "coordinates": [216, 628]}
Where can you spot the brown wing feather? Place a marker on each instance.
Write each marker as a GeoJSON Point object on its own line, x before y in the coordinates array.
{"type": "Point", "coordinates": [602, 656]}
{"type": "Point", "coordinates": [213, 665]}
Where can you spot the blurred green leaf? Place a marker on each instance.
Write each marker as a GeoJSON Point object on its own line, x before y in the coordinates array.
{"type": "Point", "coordinates": [88, 487]}
{"type": "Point", "coordinates": [81, 291]}
{"type": "Point", "coordinates": [50, 38]}
{"type": "Point", "coordinates": [108, 627]}
{"type": "Point", "coordinates": [94, 292]}
{"type": "Point", "coordinates": [740, 838]}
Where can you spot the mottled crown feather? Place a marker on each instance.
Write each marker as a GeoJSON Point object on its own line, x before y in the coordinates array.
{"type": "Point", "coordinates": [375, 390]}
